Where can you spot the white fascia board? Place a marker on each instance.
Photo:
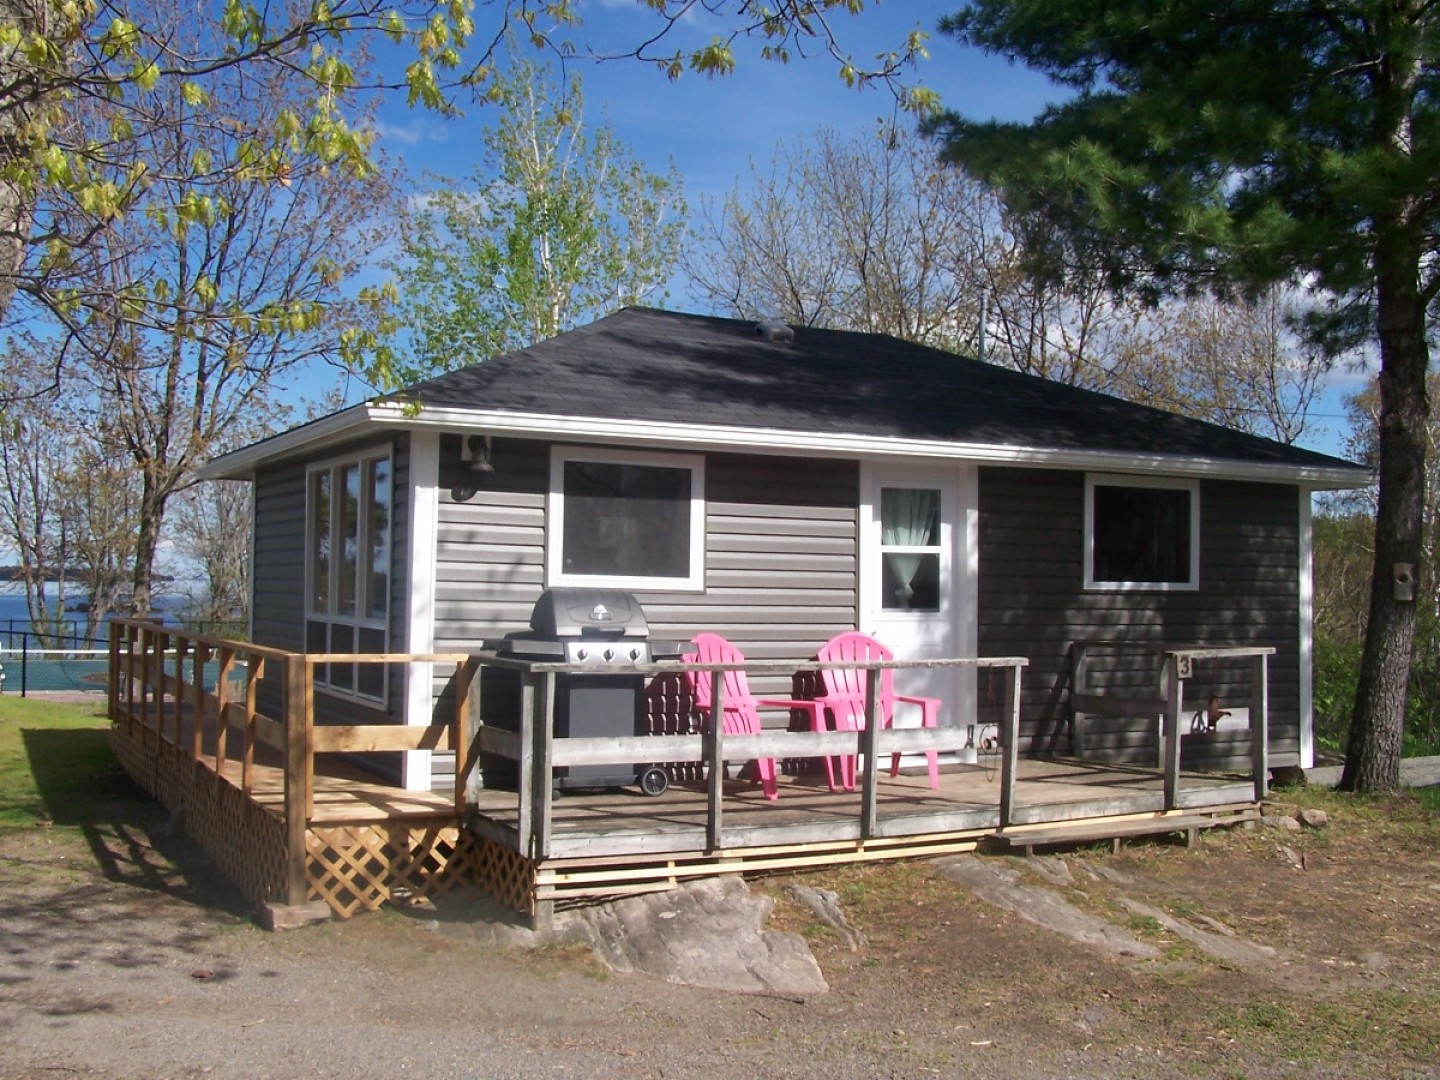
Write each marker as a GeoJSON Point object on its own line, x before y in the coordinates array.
{"type": "Point", "coordinates": [831, 444]}
{"type": "Point", "coordinates": [335, 428]}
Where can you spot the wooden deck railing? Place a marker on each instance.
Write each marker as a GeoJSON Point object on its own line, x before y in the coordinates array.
{"type": "Point", "coordinates": [1177, 664]}
{"type": "Point", "coordinates": [157, 677]}
{"type": "Point", "coordinates": [159, 685]}
{"type": "Point", "coordinates": [538, 752]}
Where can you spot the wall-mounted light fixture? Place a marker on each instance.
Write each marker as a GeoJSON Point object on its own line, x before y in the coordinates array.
{"type": "Point", "coordinates": [475, 453]}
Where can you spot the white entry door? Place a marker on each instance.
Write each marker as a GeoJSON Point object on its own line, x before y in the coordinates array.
{"type": "Point", "coordinates": [917, 569]}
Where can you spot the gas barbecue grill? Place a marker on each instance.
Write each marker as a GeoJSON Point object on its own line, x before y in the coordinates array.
{"type": "Point", "coordinates": [601, 629]}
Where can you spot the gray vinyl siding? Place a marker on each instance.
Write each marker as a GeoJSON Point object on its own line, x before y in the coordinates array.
{"type": "Point", "coordinates": [1031, 602]}
{"type": "Point", "coordinates": [278, 597]}
{"type": "Point", "coordinates": [780, 554]}
{"type": "Point", "coordinates": [781, 558]}
{"type": "Point", "coordinates": [277, 602]}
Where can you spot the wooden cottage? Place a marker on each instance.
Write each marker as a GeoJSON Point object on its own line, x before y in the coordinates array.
{"type": "Point", "coordinates": [777, 486]}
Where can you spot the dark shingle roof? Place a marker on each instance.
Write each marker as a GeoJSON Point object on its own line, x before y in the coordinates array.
{"type": "Point", "coordinates": [643, 364]}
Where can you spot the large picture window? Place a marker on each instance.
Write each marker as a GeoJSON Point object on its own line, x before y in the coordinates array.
{"type": "Point", "coordinates": [626, 520]}
{"type": "Point", "coordinates": [347, 542]}
{"type": "Point", "coordinates": [1141, 533]}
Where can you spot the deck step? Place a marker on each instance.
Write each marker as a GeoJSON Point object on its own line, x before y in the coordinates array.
{"type": "Point", "coordinates": [1086, 832]}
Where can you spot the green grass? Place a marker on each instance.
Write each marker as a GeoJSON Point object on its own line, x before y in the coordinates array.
{"type": "Point", "coordinates": [1428, 798]}
{"type": "Point", "coordinates": [56, 765]}
{"type": "Point", "coordinates": [1382, 1024]}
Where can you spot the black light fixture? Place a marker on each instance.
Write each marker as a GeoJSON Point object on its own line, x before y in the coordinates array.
{"type": "Point", "coordinates": [475, 454]}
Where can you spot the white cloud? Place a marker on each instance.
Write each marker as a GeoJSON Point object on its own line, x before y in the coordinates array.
{"type": "Point", "coordinates": [405, 135]}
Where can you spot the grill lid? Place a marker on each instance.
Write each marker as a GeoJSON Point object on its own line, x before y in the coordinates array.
{"type": "Point", "coordinates": [574, 613]}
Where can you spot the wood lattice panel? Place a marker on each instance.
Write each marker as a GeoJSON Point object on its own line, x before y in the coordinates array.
{"type": "Point", "coordinates": [359, 867]}
{"type": "Point", "coordinates": [244, 841]}
{"type": "Point", "coordinates": [506, 875]}
{"type": "Point", "coordinates": [134, 758]}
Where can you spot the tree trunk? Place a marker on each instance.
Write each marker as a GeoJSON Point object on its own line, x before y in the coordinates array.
{"type": "Point", "coordinates": [147, 540]}
{"type": "Point", "coordinates": [1377, 728]}
{"type": "Point", "coordinates": [17, 201]}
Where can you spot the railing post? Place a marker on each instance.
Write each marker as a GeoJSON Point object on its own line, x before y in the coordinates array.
{"type": "Point", "coordinates": [1079, 684]}
{"type": "Point", "coordinates": [1260, 724]}
{"type": "Point", "coordinates": [543, 787]}
{"type": "Point", "coordinates": [222, 707]}
{"type": "Point", "coordinates": [177, 701]}
{"type": "Point", "coordinates": [112, 687]}
{"type": "Point", "coordinates": [1174, 688]}
{"type": "Point", "coordinates": [867, 747]}
{"type": "Point", "coordinates": [714, 744]}
{"type": "Point", "coordinates": [297, 798]}
{"type": "Point", "coordinates": [254, 672]}
{"type": "Point", "coordinates": [24, 664]}
{"type": "Point", "coordinates": [465, 733]}
{"type": "Point", "coordinates": [1009, 746]}
{"type": "Point", "coordinates": [131, 634]}
{"type": "Point", "coordinates": [197, 737]}
{"type": "Point", "coordinates": [145, 636]}
{"type": "Point", "coordinates": [525, 778]}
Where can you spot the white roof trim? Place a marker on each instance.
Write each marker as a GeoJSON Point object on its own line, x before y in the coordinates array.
{"type": "Point", "coordinates": [337, 427]}
{"type": "Point", "coordinates": [352, 421]}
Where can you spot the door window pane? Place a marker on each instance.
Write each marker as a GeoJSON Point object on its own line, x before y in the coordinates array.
{"type": "Point", "coordinates": [909, 517]}
{"type": "Point", "coordinates": [910, 582]}
{"type": "Point", "coordinates": [910, 538]}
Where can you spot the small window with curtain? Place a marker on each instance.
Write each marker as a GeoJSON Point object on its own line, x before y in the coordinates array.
{"type": "Point", "coordinates": [626, 519]}
{"type": "Point", "coordinates": [910, 539]}
{"type": "Point", "coordinates": [1141, 533]}
{"type": "Point", "coordinates": [348, 512]}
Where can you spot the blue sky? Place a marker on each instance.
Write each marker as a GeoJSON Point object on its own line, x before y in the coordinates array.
{"type": "Point", "coordinates": [713, 129]}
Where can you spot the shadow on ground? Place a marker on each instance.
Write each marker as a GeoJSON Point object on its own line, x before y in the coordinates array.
{"type": "Point", "coordinates": [131, 837]}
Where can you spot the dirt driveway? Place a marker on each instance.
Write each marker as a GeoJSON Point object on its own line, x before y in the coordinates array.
{"type": "Point", "coordinates": [121, 960]}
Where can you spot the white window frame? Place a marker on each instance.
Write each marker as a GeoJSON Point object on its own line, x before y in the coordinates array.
{"type": "Point", "coordinates": [555, 574]}
{"type": "Point", "coordinates": [1094, 480]}
{"type": "Point", "coordinates": [361, 620]}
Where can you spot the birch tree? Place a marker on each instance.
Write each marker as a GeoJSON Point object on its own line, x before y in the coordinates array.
{"type": "Point", "coordinates": [556, 226]}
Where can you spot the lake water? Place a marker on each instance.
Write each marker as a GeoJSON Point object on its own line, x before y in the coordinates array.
{"type": "Point", "coordinates": [25, 668]}
{"type": "Point", "coordinates": [15, 617]}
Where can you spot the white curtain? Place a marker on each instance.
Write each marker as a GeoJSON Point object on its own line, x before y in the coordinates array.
{"type": "Point", "coordinates": [909, 517]}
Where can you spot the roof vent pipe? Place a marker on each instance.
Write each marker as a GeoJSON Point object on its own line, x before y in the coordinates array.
{"type": "Point", "coordinates": [775, 330]}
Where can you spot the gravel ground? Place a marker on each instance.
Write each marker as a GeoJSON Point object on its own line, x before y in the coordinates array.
{"type": "Point", "coordinates": [121, 957]}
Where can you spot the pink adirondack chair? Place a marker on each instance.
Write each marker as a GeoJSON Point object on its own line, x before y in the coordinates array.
{"type": "Point", "coordinates": [845, 697]}
{"type": "Point", "coordinates": [741, 708]}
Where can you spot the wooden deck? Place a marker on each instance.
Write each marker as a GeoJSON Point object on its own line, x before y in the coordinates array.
{"type": "Point", "coordinates": [279, 804]}
{"type": "Point", "coordinates": [623, 822]}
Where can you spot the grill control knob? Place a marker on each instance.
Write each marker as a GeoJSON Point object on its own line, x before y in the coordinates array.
{"type": "Point", "coordinates": [635, 655]}
{"type": "Point", "coordinates": [609, 654]}
{"type": "Point", "coordinates": [582, 654]}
